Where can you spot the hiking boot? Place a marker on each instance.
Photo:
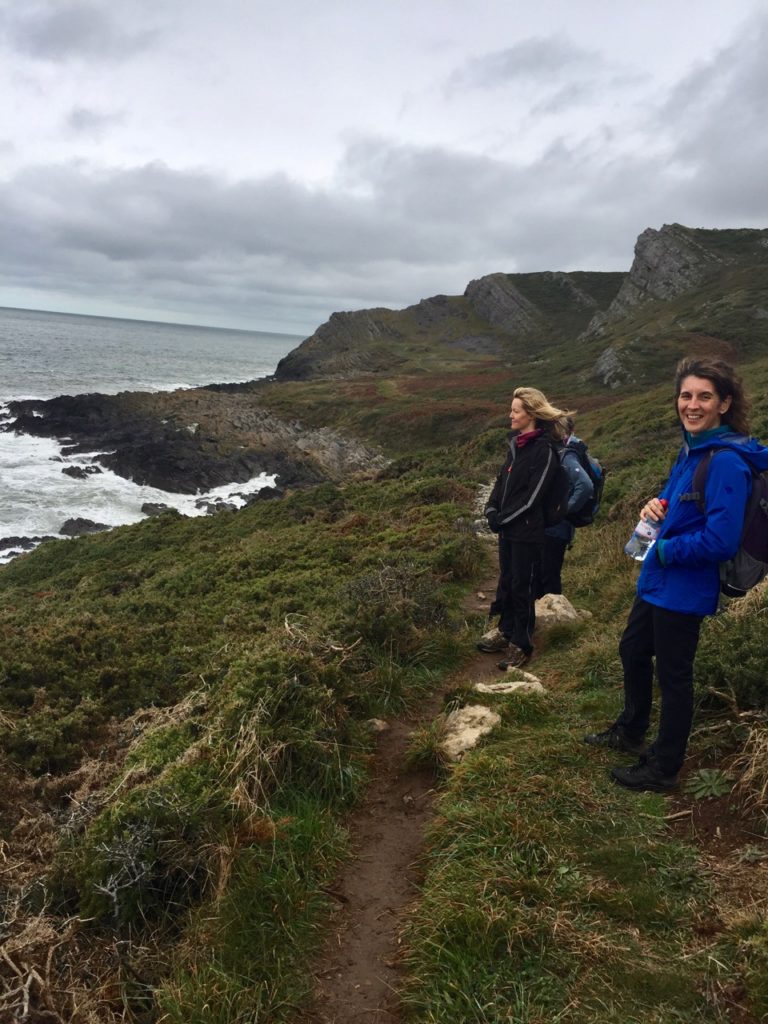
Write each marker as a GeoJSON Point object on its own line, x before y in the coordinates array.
{"type": "Point", "coordinates": [492, 641]}
{"type": "Point", "coordinates": [615, 738]}
{"type": "Point", "coordinates": [644, 775]}
{"type": "Point", "coordinates": [516, 658]}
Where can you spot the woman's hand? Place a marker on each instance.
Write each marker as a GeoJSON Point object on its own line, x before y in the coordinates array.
{"type": "Point", "coordinates": [654, 510]}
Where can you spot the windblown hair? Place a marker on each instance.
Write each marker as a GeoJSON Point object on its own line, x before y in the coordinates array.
{"type": "Point", "coordinates": [726, 383]}
{"type": "Point", "coordinates": [548, 418]}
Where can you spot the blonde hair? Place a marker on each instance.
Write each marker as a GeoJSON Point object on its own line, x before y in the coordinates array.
{"type": "Point", "coordinates": [547, 416]}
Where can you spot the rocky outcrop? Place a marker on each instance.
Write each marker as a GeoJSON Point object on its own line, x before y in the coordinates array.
{"type": "Point", "coordinates": [22, 543]}
{"type": "Point", "coordinates": [667, 263]}
{"type": "Point", "coordinates": [610, 370]}
{"type": "Point", "coordinates": [346, 345]}
{"type": "Point", "coordinates": [79, 527]}
{"type": "Point", "coordinates": [498, 301]}
{"type": "Point", "coordinates": [148, 438]}
{"type": "Point", "coordinates": [155, 508]}
{"type": "Point", "coordinates": [80, 472]}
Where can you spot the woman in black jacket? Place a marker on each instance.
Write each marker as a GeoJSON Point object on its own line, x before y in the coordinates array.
{"type": "Point", "coordinates": [515, 511]}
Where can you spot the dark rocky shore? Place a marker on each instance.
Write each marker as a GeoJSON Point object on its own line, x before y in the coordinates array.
{"type": "Point", "coordinates": [192, 440]}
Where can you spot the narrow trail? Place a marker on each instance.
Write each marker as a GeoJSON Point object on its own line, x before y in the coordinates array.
{"type": "Point", "coordinates": [357, 974]}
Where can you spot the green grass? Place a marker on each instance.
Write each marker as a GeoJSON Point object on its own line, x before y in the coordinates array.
{"type": "Point", "coordinates": [551, 894]}
{"type": "Point", "coordinates": [218, 673]}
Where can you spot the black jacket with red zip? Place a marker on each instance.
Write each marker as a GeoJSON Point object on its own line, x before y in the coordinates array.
{"type": "Point", "coordinates": [515, 508]}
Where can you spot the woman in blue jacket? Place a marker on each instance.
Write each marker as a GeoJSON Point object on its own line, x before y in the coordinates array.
{"type": "Point", "coordinates": [679, 580]}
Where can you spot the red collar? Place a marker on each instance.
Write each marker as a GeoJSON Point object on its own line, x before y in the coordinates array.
{"type": "Point", "coordinates": [522, 439]}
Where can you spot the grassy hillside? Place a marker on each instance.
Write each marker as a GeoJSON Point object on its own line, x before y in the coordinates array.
{"type": "Point", "coordinates": [183, 708]}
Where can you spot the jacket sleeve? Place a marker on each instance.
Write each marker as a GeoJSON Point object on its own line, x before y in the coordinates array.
{"type": "Point", "coordinates": [729, 482]}
{"type": "Point", "coordinates": [495, 495]}
{"type": "Point", "coordinates": [582, 487]}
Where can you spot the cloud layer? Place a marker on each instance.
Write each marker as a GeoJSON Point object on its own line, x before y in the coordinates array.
{"type": "Point", "coordinates": [566, 183]}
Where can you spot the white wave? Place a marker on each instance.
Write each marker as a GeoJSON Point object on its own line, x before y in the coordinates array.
{"type": "Point", "coordinates": [37, 498]}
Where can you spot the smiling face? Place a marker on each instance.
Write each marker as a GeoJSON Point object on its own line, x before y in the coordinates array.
{"type": "Point", "coordinates": [519, 419]}
{"type": "Point", "coordinates": [699, 406]}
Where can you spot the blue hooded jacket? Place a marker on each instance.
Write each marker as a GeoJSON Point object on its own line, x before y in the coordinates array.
{"type": "Point", "coordinates": [681, 572]}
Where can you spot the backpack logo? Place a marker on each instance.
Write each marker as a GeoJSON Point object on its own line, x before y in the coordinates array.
{"type": "Point", "coordinates": [585, 515]}
{"type": "Point", "coordinates": [750, 563]}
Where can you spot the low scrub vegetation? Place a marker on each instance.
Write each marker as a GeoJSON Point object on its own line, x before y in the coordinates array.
{"type": "Point", "coordinates": [183, 709]}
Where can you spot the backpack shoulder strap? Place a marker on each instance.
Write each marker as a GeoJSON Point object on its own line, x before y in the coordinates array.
{"type": "Point", "coordinates": [699, 482]}
{"type": "Point", "coordinates": [701, 473]}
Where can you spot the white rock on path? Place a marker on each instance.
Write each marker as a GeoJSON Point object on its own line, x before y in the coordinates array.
{"type": "Point", "coordinates": [521, 682]}
{"type": "Point", "coordinates": [464, 728]}
{"type": "Point", "coordinates": [557, 610]}
{"type": "Point", "coordinates": [377, 725]}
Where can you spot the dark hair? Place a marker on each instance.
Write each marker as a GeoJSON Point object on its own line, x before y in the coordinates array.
{"type": "Point", "coordinates": [726, 383]}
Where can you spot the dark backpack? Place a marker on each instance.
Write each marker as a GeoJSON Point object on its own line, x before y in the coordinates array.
{"type": "Point", "coordinates": [750, 563]}
{"type": "Point", "coordinates": [555, 501]}
{"type": "Point", "coordinates": [585, 515]}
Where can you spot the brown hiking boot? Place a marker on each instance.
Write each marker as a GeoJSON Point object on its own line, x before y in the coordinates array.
{"type": "Point", "coordinates": [516, 658]}
{"type": "Point", "coordinates": [492, 642]}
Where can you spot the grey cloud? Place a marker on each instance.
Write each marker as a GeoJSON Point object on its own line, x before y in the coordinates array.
{"type": "Point", "coordinates": [400, 222]}
{"type": "Point", "coordinates": [534, 59]}
{"type": "Point", "coordinates": [571, 95]}
{"type": "Point", "coordinates": [54, 31]}
{"type": "Point", "coordinates": [93, 123]}
{"type": "Point", "coordinates": [714, 122]}
{"type": "Point", "coordinates": [430, 221]}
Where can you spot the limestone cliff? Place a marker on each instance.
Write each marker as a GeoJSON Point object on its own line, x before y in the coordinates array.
{"type": "Point", "coordinates": [499, 302]}
{"type": "Point", "coordinates": [667, 263]}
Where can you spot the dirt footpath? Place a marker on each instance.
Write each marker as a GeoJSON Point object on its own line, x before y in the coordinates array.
{"type": "Point", "coordinates": [357, 974]}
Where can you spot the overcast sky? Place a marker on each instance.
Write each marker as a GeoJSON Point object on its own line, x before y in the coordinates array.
{"type": "Point", "coordinates": [262, 165]}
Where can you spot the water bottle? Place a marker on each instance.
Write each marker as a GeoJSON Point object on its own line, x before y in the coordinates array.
{"type": "Point", "coordinates": [644, 536]}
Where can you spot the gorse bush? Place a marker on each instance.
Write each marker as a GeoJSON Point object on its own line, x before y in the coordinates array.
{"type": "Point", "coordinates": [731, 653]}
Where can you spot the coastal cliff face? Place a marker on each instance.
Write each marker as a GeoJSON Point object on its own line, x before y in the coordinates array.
{"type": "Point", "coordinates": [493, 317]}
{"type": "Point", "coordinates": [667, 263]}
{"type": "Point", "coordinates": [706, 287]}
{"type": "Point", "coordinates": [685, 283]}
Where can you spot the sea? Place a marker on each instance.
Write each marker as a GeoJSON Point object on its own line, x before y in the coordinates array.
{"type": "Point", "coordinates": [45, 354]}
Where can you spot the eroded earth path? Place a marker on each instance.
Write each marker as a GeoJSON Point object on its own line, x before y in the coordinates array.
{"type": "Point", "coordinates": [358, 975]}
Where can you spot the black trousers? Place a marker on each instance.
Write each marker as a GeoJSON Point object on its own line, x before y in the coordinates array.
{"type": "Point", "coordinates": [515, 593]}
{"type": "Point", "coordinates": [672, 638]}
{"type": "Point", "coordinates": [550, 574]}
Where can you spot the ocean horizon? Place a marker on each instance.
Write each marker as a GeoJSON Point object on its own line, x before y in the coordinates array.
{"type": "Point", "coordinates": [45, 354]}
